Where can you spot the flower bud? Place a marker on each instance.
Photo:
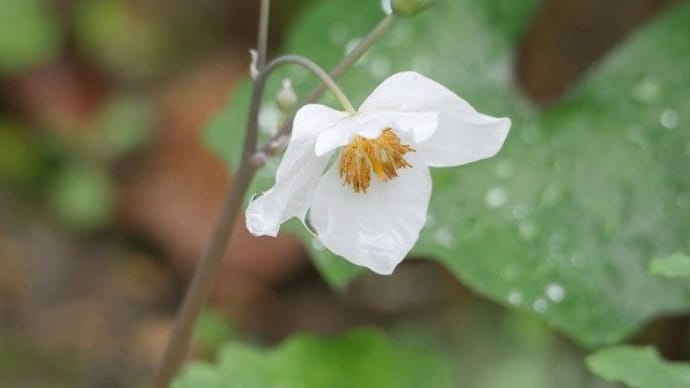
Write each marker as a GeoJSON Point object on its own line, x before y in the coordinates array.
{"type": "Point", "coordinates": [408, 8]}
{"type": "Point", "coordinates": [286, 97]}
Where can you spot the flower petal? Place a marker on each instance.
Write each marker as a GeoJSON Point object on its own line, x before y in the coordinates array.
{"type": "Point", "coordinates": [298, 173]}
{"type": "Point", "coordinates": [420, 126]}
{"type": "Point", "coordinates": [409, 91]}
{"type": "Point", "coordinates": [375, 229]}
{"type": "Point", "coordinates": [463, 135]}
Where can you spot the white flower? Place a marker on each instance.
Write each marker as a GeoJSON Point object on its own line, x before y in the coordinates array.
{"type": "Point", "coordinates": [362, 181]}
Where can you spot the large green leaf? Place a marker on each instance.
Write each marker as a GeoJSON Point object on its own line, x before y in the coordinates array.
{"type": "Point", "coordinates": [563, 222]}
{"type": "Point", "coordinates": [638, 368]}
{"type": "Point", "coordinates": [361, 358]}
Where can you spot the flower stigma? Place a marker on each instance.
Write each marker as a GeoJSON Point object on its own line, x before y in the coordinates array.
{"type": "Point", "coordinates": [382, 155]}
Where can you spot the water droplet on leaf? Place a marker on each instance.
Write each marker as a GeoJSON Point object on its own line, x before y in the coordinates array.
{"type": "Point", "coordinates": [555, 292]}
{"type": "Point", "coordinates": [496, 197]}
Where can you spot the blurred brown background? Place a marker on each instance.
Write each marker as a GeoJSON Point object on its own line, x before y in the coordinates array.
{"type": "Point", "coordinates": [97, 241]}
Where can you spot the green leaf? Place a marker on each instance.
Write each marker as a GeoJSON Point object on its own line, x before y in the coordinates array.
{"type": "Point", "coordinates": [362, 358]}
{"type": "Point", "coordinates": [676, 265]}
{"type": "Point", "coordinates": [638, 367]}
{"type": "Point", "coordinates": [29, 34]}
{"type": "Point", "coordinates": [563, 221]}
{"type": "Point", "coordinates": [211, 330]}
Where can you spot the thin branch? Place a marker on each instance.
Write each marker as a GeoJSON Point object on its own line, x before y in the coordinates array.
{"type": "Point", "coordinates": [262, 39]}
{"type": "Point", "coordinates": [353, 56]}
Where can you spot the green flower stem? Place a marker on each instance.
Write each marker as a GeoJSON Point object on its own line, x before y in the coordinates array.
{"type": "Point", "coordinates": [206, 269]}
{"type": "Point", "coordinates": [204, 275]}
{"type": "Point", "coordinates": [327, 82]}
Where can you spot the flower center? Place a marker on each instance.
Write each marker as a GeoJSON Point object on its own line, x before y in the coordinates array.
{"type": "Point", "coordinates": [382, 155]}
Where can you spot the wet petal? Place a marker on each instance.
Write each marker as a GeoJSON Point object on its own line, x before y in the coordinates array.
{"type": "Point", "coordinates": [375, 229]}
{"type": "Point", "coordinates": [298, 173]}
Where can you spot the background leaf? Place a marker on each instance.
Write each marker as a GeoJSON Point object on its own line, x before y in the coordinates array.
{"type": "Point", "coordinates": [563, 222]}
{"type": "Point", "coordinates": [638, 368]}
{"type": "Point", "coordinates": [29, 34]}
{"type": "Point", "coordinates": [361, 358]}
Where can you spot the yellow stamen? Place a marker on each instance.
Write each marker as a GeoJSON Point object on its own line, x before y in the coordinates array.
{"type": "Point", "coordinates": [382, 155]}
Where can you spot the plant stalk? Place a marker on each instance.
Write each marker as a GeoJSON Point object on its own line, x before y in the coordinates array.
{"type": "Point", "coordinates": [206, 269]}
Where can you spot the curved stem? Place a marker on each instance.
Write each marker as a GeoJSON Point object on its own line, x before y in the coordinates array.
{"type": "Point", "coordinates": [348, 61]}
{"type": "Point", "coordinates": [326, 80]}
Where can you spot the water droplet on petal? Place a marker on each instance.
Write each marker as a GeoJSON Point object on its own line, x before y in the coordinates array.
{"type": "Point", "coordinates": [496, 197]}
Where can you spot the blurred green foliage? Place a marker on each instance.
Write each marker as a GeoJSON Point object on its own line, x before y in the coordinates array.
{"type": "Point", "coordinates": [83, 196]}
{"type": "Point", "coordinates": [18, 162]}
{"type": "Point", "coordinates": [29, 34]}
{"type": "Point", "coordinates": [212, 329]}
{"type": "Point", "coordinates": [361, 358]}
{"type": "Point", "coordinates": [126, 38]}
{"type": "Point", "coordinates": [124, 125]}
{"type": "Point", "coordinates": [639, 367]}
{"type": "Point", "coordinates": [564, 221]}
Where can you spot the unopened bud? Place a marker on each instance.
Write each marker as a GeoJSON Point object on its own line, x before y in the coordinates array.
{"type": "Point", "coordinates": [408, 8]}
{"type": "Point", "coordinates": [286, 97]}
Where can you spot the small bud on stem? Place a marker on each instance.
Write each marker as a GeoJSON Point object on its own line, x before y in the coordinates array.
{"type": "Point", "coordinates": [409, 8]}
{"type": "Point", "coordinates": [286, 99]}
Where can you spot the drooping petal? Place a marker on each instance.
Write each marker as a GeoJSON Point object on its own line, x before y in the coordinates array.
{"type": "Point", "coordinates": [297, 175]}
{"type": "Point", "coordinates": [420, 126]}
{"type": "Point", "coordinates": [375, 229]}
{"type": "Point", "coordinates": [463, 134]}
